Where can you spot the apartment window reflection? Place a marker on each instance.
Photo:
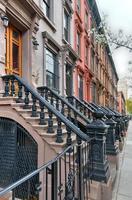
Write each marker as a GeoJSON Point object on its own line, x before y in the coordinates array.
{"type": "Point", "coordinates": [52, 70]}
{"type": "Point", "coordinates": [80, 87]}
{"type": "Point", "coordinates": [78, 43]}
{"type": "Point", "coordinates": [66, 26]}
{"type": "Point", "coordinates": [46, 8]}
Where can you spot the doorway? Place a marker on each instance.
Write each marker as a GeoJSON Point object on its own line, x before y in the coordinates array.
{"type": "Point", "coordinates": [13, 55]}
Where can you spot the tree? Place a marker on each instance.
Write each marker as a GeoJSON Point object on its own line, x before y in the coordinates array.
{"type": "Point", "coordinates": [104, 35]}
{"type": "Point", "coordinates": [129, 105]}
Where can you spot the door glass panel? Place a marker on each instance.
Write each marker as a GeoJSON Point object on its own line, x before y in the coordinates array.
{"type": "Point", "coordinates": [15, 51]}
{"type": "Point", "coordinates": [15, 35]}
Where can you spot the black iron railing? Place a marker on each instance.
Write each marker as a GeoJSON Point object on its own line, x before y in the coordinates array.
{"type": "Point", "coordinates": [63, 106]}
{"type": "Point", "coordinates": [68, 176]}
{"type": "Point", "coordinates": [86, 110]}
{"type": "Point", "coordinates": [18, 87]}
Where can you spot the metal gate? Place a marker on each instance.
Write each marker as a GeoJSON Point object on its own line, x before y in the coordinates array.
{"type": "Point", "coordinates": [18, 157]}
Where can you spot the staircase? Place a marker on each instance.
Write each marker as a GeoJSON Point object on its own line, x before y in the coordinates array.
{"type": "Point", "coordinates": [60, 126]}
{"type": "Point", "coordinates": [53, 123]}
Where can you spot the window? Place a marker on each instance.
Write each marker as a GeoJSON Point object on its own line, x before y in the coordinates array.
{"type": "Point", "coordinates": [86, 20]}
{"type": "Point", "coordinates": [52, 72]}
{"type": "Point", "coordinates": [79, 6]}
{"type": "Point", "coordinates": [92, 60]}
{"type": "Point", "coordinates": [80, 87]}
{"type": "Point", "coordinates": [94, 92]}
{"type": "Point", "coordinates": [46, 8]}
{"type": "Point", "coordinates": [86, 54]}
{"type": "Point", "coordinates": [78, 43]}
{"type": "Point", "coordinates": [66, 26]}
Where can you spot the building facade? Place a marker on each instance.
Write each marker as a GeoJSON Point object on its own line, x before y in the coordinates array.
{"type": "Point", "coordinates": [82, 74]}
{"type": "Point", "coordinates": [121, 103]}
{"type": "Point", "coordinates": [105, 78]}
{"type": "Point", "coordinates": [37, 43]}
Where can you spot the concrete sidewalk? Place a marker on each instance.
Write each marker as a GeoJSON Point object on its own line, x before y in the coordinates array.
{"type": "Point", "coordinates": [123, 185]}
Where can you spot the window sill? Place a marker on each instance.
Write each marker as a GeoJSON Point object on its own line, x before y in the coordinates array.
{"type": "Point", "coordinates": [50, 23]}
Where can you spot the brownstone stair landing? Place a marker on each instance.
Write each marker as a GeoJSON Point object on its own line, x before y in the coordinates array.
{"type": "Point", "coordinates": [63, 149]}
{"type": "Point", "coordinates": [50, 126]}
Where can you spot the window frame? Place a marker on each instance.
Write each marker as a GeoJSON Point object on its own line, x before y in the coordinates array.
{"type": "Point", "coordinates": [55, 72]}
{"type": "Point", "coordinates": [67, 15]}
{"type": "Point", "coordinates": [47, 5]}
{"type": "Point", "coordinates": [78, 43]}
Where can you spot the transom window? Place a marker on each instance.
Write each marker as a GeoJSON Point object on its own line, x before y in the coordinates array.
{"type": "Point", "coordinates": [46, 7]}
{"type": "Point", "coordinates": [52, 72]}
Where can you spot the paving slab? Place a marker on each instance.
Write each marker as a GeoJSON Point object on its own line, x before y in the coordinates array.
{"type": "Point", "coordinates": [123, 186]}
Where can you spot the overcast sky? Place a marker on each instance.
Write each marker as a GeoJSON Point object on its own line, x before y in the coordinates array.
{"type": "Point", "coordinates": [119, 17]}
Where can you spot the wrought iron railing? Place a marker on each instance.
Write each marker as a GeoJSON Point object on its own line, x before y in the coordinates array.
{"type": "Point", "coordinates": [19, 88]}
{"type": "Point", "coordinates": [86, 110]}
{"type": "Point", "coordinates": [68, 176]}
{"type": "Point", "coordinates": [64, 107]}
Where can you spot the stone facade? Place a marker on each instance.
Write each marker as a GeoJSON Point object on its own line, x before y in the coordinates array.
{"type": "Point", "coordinates": [82, 73]}
{"type": "Point", "coordinates": [121, 103]}
{"type": "Point", "coordinates": [43, 29]}
{"type": "Point", "coordinates": [105, 78]}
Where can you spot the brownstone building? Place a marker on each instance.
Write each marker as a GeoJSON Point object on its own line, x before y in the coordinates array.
{"type": "Point", "coordinates": [121, 103]}
{"type": "Point", "coordinates": [105, 78]}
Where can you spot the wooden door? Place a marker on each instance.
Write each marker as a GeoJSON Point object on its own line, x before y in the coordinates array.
{"type": "Point", "coordinates": [13, 51]}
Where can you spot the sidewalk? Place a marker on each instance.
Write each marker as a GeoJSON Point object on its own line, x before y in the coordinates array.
{"type": "Point", "coordinates": [123, 185]}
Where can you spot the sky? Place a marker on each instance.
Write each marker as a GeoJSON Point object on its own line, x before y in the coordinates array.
{"type": "Point", "coordinates": [119, 17]}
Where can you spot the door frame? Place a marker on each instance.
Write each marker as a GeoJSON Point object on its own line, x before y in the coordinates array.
{"type": "Point", "coordinates": [10, 40]}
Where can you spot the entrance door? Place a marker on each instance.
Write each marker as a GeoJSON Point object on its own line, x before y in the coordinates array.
{"type": "Point", "coordinates": [13, 51]}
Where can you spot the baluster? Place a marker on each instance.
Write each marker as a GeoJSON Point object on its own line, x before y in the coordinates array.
{"type": "Point", "coordinates": [50, 123]}
{"type": "Point", "coordinates": [59, 132]}
{"type": "Point", "coordinates": [26, 99]}
{"type": "Point", "coordinates": [12, 86]}
{"type": "Point", "coordinates": [80, 169]}
{"type": "Point", "coordinates": [84, 111]}
{"type": "Point", "coordinates": [57, 103]}
{"type": "Point", "coordinates": [19, 100]}
{"type": "Point", "coordinates": [34, 107]}
{"type": "Point", "coordinates": [6, 94]}
{"type": "Point", "coordinates": [76, 104]}
{"type": "Point", "coordinates": [42, 114]}
{"type": "Point", "coordinates": [62, 107]}
{"type": "Point", "coordinates": [46, 94]}
{"type": "Point", "coordinates": [69, 139]}
{"type": "Point", "coordinates": [42, 92]}
{"type": "Point", "coordinates": [51, 98]}
{"type": "Point", "coordinates": [75, 119]}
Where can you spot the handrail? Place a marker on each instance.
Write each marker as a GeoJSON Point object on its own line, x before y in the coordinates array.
{"type": "Point", "coordinates": [81, 102]}
{"type": "Point", "coordinates": [68, 123]}
{"type": "Point", "coordinates": [35, 172]}
{"type": "Point", "coordinates": [65, 102]}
